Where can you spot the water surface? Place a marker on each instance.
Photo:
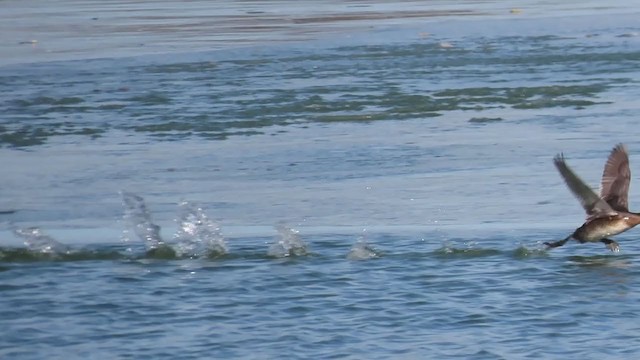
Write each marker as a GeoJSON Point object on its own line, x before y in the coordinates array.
{"type": "Point", "coordinates": [363, 180]}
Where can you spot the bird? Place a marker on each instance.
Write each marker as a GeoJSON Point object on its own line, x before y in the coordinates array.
{"type": "Point", "coordinates": [607, 214]}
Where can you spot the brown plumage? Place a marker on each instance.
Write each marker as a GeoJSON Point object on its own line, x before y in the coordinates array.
{"type": "Point", "coordinates": [607, 214]}
{"type": "Point", "coordinates": [615, 179]}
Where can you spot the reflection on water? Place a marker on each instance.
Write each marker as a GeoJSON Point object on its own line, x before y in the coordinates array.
{"type": "Point", "coordinates": [613, 275]}
{"type": "Point", "coordinates": [602, 261]}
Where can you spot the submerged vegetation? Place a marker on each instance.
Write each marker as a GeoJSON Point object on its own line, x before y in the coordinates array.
{"type": "Point", "coordinates": [214, 99]}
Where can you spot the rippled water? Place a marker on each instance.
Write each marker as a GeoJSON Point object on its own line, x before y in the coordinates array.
{"type": "Point", "coordinates": [361, 181]}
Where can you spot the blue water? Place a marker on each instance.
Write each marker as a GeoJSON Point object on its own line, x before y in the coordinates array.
{"type": "Point", "coordinates": [369, 180]}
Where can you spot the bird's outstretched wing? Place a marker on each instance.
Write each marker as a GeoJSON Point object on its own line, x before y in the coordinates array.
{"type": "Point", "coordinates": [615, 179]}
{"type": "Point", "coordinates": [593, 204]}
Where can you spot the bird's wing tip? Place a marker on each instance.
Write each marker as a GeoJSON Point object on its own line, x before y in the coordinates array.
{"type": "Point", "coordinates": [620, 147]}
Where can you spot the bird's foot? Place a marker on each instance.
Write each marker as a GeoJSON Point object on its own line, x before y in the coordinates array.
{"type": "Point", "coordinates": [611, 245]}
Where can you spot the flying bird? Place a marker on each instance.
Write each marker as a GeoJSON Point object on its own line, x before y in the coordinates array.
{"type": "Point", "coordinates": [607, 214]}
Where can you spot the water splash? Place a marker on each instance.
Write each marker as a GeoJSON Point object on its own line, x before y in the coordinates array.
{"type": "Point", "coordinates": [37, 241]}
{"type": "Point", "coordinates": [137, 217]}
{"type": "Point", "coordinates": [361, 250]}
{"type": "Point", "coordinates": [288, 243]}
{"type": "Point", "coordinates": [198, 235]}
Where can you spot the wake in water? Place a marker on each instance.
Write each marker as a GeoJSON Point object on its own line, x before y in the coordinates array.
{"type": "Point", "coordinates": [472, 250]}
{"type": "Point", "coordinates": [42, 247]}
{"type": "Point", "coordinates": [288, 243]}
{"type": "Point", "coordinates": [137, 217]}
{"type": "Point", "coordinates": [38, 242]}
{"type": "Point", "coordinates": [200, 237]}
{"type": "Point", "coordinates": [361, 250]}
{"type": "Point", "coordinates": [197, 235]}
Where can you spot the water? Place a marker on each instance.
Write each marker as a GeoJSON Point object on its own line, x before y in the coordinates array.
{"type": "Point", "coordinates": [361, 180]}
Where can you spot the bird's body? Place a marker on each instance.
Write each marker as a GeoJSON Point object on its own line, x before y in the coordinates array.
{"type": "Point", "coordinates": [607, 213]}
{"type": "Point", "coordinates": [598, 229]}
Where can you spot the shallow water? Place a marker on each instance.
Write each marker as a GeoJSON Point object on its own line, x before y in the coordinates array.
{"type": "Point", "coordinates": [381, 193]}
{"type": "Point", "coordinates": [473, 298]}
